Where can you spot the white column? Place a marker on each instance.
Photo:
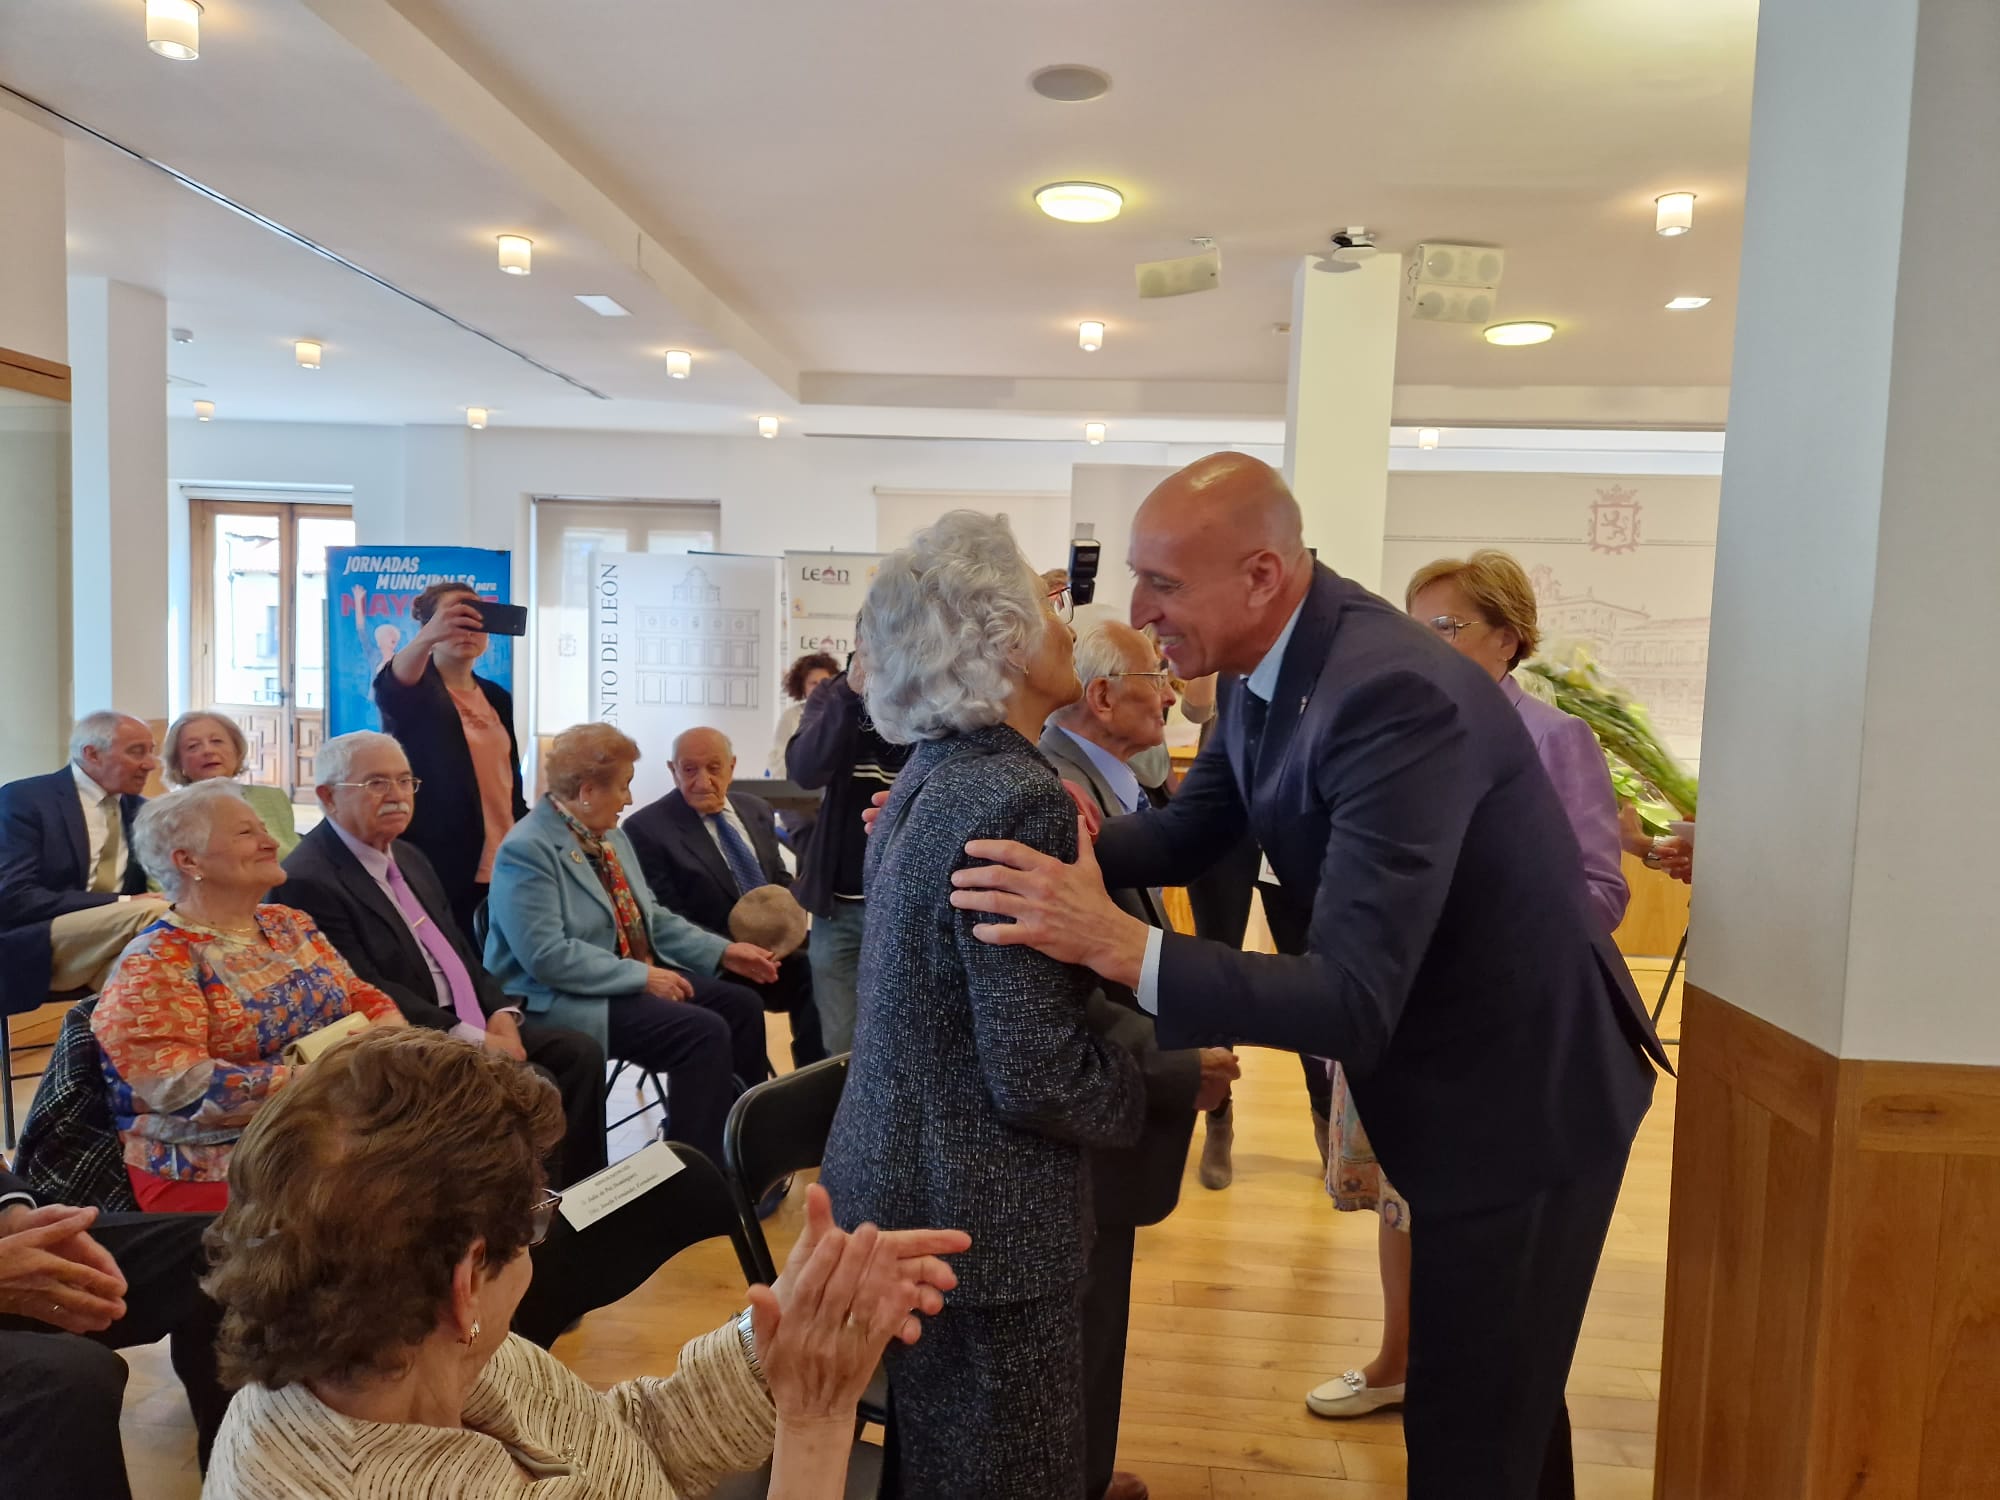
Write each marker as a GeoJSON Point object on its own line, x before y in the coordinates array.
{"type": "Point", "coordinates": [118, 477]}
{"type": "Point", "coordinates": [1846, 876]}
{"type": "Point", "coordinates": [34, 450]}
{"type": "Point", "coordinates": [1343, 381]}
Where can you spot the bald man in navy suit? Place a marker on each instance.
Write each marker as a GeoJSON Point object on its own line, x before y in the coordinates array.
{"type": "Point", "coordinates": [1495, 1043]}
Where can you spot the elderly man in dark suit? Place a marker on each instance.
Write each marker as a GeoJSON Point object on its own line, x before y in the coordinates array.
{"type": "Point", "coordinates": [1122, 713]}
{"type": "Point", "coordinates": [71, 894]}
{"type": "Point", "coordinates": [74, 1286]}
{"type": "Point", "coordinates": [703, 847]}
{"type": "Point", "coordinates": [1452, 960]}
{"type": "Point", "coordinates": [379, 902]}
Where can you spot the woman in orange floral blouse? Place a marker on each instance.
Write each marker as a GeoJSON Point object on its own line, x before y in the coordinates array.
{"type": "Point", "coordinates": [202, 1004]}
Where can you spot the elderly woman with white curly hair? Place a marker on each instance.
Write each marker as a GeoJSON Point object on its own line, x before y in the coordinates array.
{"type": "Point", "coordinates": [195, 1019]}
{"type": "Point", "coordinates": [977, 1085]}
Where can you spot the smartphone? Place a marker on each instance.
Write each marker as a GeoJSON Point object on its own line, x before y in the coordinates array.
{"type": "Point", "coordinates": [1083, 554]}
{"type": "Point", "coordinates": [502, 619]}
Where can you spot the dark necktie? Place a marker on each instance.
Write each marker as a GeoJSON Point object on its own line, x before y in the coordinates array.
{"type": "Point", "coordinates": [742, 863]}
{"type": "Point", "coordinates": [1255, 712]}
{"type": "Point", "coordinates": [1154, 796]}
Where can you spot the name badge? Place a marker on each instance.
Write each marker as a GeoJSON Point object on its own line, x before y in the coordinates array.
{"type": "Point", "coordinates": [1265, 873]}
{"type": "Point", "coordinates": [584, 1203]}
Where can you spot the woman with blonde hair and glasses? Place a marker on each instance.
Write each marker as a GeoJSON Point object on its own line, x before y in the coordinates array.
{"type": "Point", "coordinates": [207, 746]}
{"type": "Point", "coordinates": [1484, 607]}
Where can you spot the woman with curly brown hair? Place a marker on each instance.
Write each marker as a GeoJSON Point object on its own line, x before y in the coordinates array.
{"type": "Point", "coordinates": [375, 1248]}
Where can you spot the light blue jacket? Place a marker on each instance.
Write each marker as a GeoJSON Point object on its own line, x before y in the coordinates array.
{"type": "Point", "coordinates": [552, 940]}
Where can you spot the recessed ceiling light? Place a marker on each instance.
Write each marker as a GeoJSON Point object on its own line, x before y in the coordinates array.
{"type": "Point", "coordinates": [1079, 202]}
{"type": "Point", "coordinates": [182, 335]}
{"type": "Point", "coordinates": [173, 29]}
{"type": "Point", "coordinates": [1427, 437]}
{"type": "Point", "coordinates": [516, 253]}
{"type": "Point", "coordinates": [1686, 304]}
{"type": "Point", "coordinates": [1093, 433]}
{"type": "Point", "coordinates": [1673, 213]}
{"type": "Point", "coordinates": [603, 306]}
{"type": "Point", "coordinates": [1070, 83]}
{"type": "Point", "coordinates": [1090, 336]}
{"type": "Point", "coordinates": [679, 362]}
{"type": "Point", "coordinates": [307, 352]}
{"type": "Point", "coordinates": [475, 418]}
{"type": "Point", "coordinates": [767, 427]}
{"type": "Point", "coordinates": [204, 411]}
{"type": "Point", "coordinates": [1520, 333]}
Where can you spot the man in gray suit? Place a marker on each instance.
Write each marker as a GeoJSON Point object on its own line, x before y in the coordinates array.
{"type": "Point", "coordinates": [1121, 714]}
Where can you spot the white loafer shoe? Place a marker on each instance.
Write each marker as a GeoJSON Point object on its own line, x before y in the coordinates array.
{"type": "Point", "coordinates": [1350, 1395]}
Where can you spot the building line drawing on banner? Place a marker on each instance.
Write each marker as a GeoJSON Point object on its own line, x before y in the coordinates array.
{"type": "Point", "coordinates": [693, 651]}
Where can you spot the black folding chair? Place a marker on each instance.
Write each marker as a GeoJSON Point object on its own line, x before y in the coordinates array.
{"type": "Point", "coordinates": [778, 1128]}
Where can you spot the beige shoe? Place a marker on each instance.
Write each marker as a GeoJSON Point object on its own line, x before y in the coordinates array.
{"type": "Point", "coordinates": [1217, 1171]}
{"type": "Point", "coordinates": [1351, 1395]}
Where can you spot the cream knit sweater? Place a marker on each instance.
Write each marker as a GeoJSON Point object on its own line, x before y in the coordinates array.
{"type": "Point", "coordinates": [531, 1428]}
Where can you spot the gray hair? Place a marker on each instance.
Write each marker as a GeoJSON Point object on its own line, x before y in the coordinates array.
{"type": "Point", "coordinates": [180, 820]}
{"type": "Point", "coordinates": [728, 745]}
{"type": "Point", "coordinates": [335, 760]}
{"type": "Point", "coordinates": [950, 622]}
{"type": "Point", "coordinates": [1100, 652]}
{"type": "Point", "coordinates": [98, 731]}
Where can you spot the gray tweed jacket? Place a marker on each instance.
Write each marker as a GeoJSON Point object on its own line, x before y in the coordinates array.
{"type": "Point", "coordinates": [976, 1088]}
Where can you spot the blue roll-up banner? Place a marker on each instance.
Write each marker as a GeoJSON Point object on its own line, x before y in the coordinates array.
{"type": "Point", "coordinates": [368, 597]}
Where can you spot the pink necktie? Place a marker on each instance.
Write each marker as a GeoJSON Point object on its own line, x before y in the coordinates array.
{"type": "Point", "coordinates": [464, 998]}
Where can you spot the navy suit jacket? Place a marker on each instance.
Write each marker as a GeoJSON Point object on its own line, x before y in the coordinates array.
{"type": "Point", "coordinates": [1451, 961]}
{"type": "Point", "coordinates": [45, 874]}
{"type": "Point", "coordinates": [684, 867]}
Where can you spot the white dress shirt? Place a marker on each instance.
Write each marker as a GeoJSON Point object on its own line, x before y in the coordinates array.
{"type": "Point", "coordinates": [1264, 683]}
{"type": "Point", "coordinates": [100, 824]}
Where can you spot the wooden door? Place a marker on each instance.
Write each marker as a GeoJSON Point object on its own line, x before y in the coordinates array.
{"type": "Point", "coordinates": [260, 627]}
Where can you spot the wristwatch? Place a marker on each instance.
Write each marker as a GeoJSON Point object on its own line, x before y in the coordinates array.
{"type": "Point", "coordinates": [746, 1332]}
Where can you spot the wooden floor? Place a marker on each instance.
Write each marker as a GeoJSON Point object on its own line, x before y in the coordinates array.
{"type": "Point", "coordinates": [1242, 1301]}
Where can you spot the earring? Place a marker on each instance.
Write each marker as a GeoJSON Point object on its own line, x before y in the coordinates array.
{"type": "Point", "coordinates": [197, 880]}
{"type": "Point", "coordinates": [473, 1337]}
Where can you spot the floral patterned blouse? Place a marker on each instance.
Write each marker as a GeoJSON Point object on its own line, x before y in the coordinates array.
{"type": "Point", "coordinates": [192, 1024]}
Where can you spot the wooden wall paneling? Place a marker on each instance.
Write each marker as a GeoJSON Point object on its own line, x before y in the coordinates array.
{"type": "Point", "coordinates": [33, 375]}
{"type": "Point", "coordinates": [1777, 1396]}
{"type": "Point", "coordinates": [1929, 1107]}
{"type": "Point", "coordinates": [1961, 1426]}
{"type": "Point", "coordinates": [1700, 1139]}
{"type": "Point", "coordinates": [1732, 1424]}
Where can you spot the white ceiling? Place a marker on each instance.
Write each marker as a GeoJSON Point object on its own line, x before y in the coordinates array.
{"type": "Point", "coordinates": [807, 194]}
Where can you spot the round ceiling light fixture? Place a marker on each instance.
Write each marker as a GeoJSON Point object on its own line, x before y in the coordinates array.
{"type": "Point", "coordinates": [1673, 213]}
{"type": "Point", "coordinates": [1513, 335]}
{"type": "Point", "coordinates": [1079, 202]}
{"type": "Point", "coordinates": [475, 418]}
{"type": "Point", "coordinates": [1686, 304]}
{"type": "Point", "coordinates": [1093, 433]}
{"type": "Point", "coordinates": [204, 411]}
{"type": "Point", "coordinates": [517, 253]}
{"type": "Point", "coordinates": [173, 29]}
{"type": "Point", "coordinates": [767, 427]}
{"type": "Point", "coordinates": [679, 363]}
{"type": "Point", "coordinates": [307, 352]}
{"type": "Point", "coordinates": [1070, 83]}
{"type": "Point", "coordinates": [1090, 336]}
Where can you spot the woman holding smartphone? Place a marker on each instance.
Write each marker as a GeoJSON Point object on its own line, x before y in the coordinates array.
{"type": "Point", "coordinates": [458, 730]}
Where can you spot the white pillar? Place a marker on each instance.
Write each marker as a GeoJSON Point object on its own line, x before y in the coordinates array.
{"type": "Point", "coordinates": [1343, 381]}
{"type": "Point", "coordinates": [34, 450]}
{"type": "Point", "coordinates": [1846, 874]}
{"type": "Point", "coordinates": [118, 476]}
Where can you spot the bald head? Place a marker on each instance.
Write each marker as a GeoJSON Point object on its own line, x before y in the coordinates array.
{"type": "Point", "coordinates": [704, 764]}
{"type": "Point", "coordinates": [1231, 499]}
{"type": "Point", "coordinates": [1219, 563]}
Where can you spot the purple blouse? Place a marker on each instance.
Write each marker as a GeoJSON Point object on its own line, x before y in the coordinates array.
{"type": "Point", "coordinates": [1583, 784]}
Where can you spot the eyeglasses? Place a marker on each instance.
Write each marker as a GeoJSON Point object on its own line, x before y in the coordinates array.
{"type": "Point", "coordinates": [1059, 601]}
{"type": "Point", "coordinates": [542, 1217]}
{"type": "Point", "coordinates": [1449, 626]}
{"type": "Point", "coordinates": [381, 786]}
{"type": "Point", "coordinates": [1160, 678]}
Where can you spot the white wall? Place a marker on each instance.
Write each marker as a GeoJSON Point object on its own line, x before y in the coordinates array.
{"type": "Point", "coordinates": [33, 253]}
